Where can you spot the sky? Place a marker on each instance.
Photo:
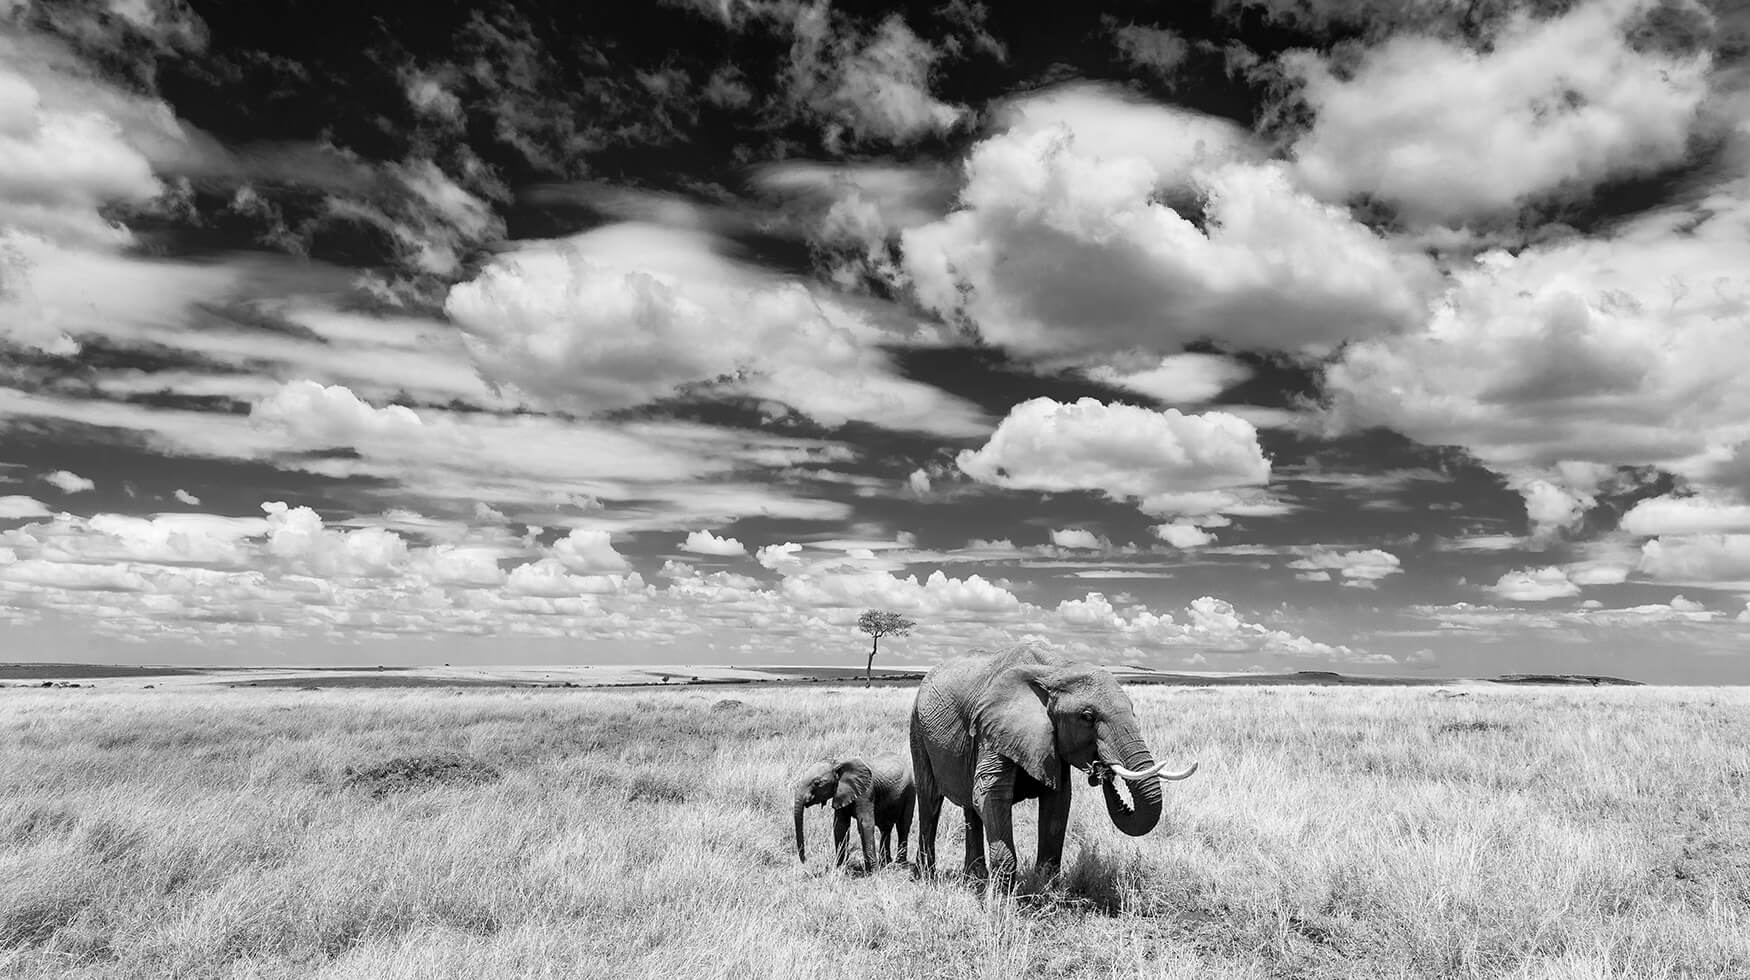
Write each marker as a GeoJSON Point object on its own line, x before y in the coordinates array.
{"type": "Point", "coordinates": [1380, 336]}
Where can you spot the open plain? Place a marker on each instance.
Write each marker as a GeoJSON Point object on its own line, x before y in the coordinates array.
{"type": "Point", "coordinates": [1474, 831]}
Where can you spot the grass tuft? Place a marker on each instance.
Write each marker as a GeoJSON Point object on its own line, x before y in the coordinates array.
{"type": "Point", "coordinates": [414, 772]}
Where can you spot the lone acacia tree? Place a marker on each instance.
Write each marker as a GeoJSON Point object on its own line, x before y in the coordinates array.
{"type": "Point", "coordinates": [879, 623]}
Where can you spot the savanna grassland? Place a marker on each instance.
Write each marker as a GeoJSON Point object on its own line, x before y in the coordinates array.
{"type": "Point", "coordinates": [1330, 832]}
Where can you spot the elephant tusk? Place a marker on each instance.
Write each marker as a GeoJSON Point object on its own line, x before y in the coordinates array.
{"type": "Point", "coordinates": [1154, 770]}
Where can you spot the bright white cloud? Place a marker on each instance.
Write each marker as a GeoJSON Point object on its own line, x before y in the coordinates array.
{"type": "Point", "coordinates": [1701, 558]}
{"type": "Point", "coordinates": [69, 482]}
{"type": "Point", "coordinates": [184, 496]}
{"type": "Point", "coordinates": [1182, 534]}
{"type": "Point", "coordinates": [1178, 379]}
{"type": "Point", "coordinates": [1601, 572]}
{"type": "Point", "coordinates": [1207, 623]}
{"type": "Point", "coordinates": [18, 508]}
{"type": "Point", "coordinates": [706, 543]}
{"type": "Point", "coordinates": [1586, 353]}
{"type": "Point", "coordinates": [1358, 569]}
{"type": "Point", "coordinates": [937, 595]}
{"type": "Point", "coordinates": [547, 578]}
{"type": "Point", "coordinates": [630, 313]}
{"type": "Point", "coordinates": [1446, 133]}
{"type": "Point", "coordinates": [163, 539]}
{"type": "Point", "coordinates": [874, 87]}
{"type": "Point", "coordinates": [332, 415]}
{"type": "Point", "coordinates": [1552, 506]}
{"type": "Point", "coordinates": [585, 550]}
{"type": "Point", "coordinates": [1122, 451]}
{"type": "Point", "coordinates": [1685, 515]}
{"type": "Point", "coordinates": [297, 537]}
{"type": "Point", "coordinates": [59, 165]}
{"type": "Point", "coordinates": [1064, 243]}
{"type": "Point", "coordinates": [779, 557]}
{"type": "Point", "coordinates": [1535, 585]}
{"type": "Point", "coordinates": [1076, 537]}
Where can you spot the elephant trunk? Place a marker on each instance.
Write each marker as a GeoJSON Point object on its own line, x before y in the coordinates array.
{"type": "Point", "coordinates": [801, 844]}
{"type": "Point", "coordinates": [1146, 791]}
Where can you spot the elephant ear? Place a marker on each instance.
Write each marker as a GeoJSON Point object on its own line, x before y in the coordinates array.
{"type": "Point", "coordinates": [856, 782]}
{"type": "Point", "coordinates": [1010, 715]}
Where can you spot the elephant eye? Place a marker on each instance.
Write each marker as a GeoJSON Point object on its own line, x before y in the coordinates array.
{"type": "Point", "coordinates": [1087, 714]}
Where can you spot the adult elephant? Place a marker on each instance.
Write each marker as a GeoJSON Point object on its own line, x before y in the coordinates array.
{"type": "Point", "coordinates": [877, 794]}
{"type": "Point", "coordinates": [988, 731]}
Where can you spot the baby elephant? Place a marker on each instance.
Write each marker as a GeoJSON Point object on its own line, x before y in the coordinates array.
{"type": "Point", "coordinates": [878, 794]}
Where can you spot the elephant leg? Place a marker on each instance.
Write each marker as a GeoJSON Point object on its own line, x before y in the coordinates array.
{"type": "Point", "coordinates": [866, 830]}
{"type": "Point", "coordinates": [929, 814]}
{"type": "Point", "coordinates": [999, 844]}
{"type": "Point", "coordinates": [886, 843]}
{"type": "Point", "coordinates": [974, 867]}
{"type": "Point", "coordinates": [841, 829]}
{"type": "Point", "coordinates": [1053, 826]}
{"type": "Point", "coordinates": [905, 823]}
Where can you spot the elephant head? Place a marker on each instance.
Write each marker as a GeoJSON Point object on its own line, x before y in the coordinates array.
{"type": "Point", "coordinates": [1042, 716]}
{"type": "Point", "coordinates": [840, 783]}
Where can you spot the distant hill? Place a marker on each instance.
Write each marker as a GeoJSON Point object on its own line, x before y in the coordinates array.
{"type": "Point", "coordinates": [672, 675]}
{"type": "Point", "coordinates": [1595, 680]}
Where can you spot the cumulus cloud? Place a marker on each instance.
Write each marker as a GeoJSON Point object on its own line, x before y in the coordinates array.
{"type": "Point", "coordinates": [584, 550]}
{"type": "Point", "coordinates": [1599, 572]}
{"type": "Point", "coordinates": [69, 152]}
{"type": "Point", "coordinates": [548, 578]}
{"type": "Point", "coordinates": [1177, 378]}
{"type": "Point", "coordinates": [865, 87]}
{"type": "Point", "coordinates": [1068, 240]}
{"type": "Point", "coordinates": [779, 557]}
{"type": "Point", "coordinates": [628, 314]}
{"type": "Point", "coordinates": [1076, 537]}
{"type": "Point", "coordinates": [63, 164]}
{"type": "Point", "coordinates": [706, 543]}
{"type": "Point", "coordinates": [164, 539]}
{"type": "Point", "coordinates": [1535, 585]}
{"type": "Point", "coordinates": [1358, 569]}
{"type": "Point", "coordinates": [1685, 515]}
{"type": "Point", "coordinates": [853, 212]}
{"type": "Point", "coordinates": [1156, 49]}
{"type": "Point", "coordinates": [936, 595]}
{"type": "Point", "coordinates": [1208, 623]}
{"type": "Point", "coordinates": [1182, 534]}
{"type": "Point", "coordinates": [1701, 558]}
{"type": "Point", "coordinates": [18, 508]}
{"type": "Point", "coordinates": [290, 576]}
{"type": "Point", "coordinates": [1552, 506]}
{"type": "Point", "coordinates": [1553, 106]}
{"type": "Point", "coordinates": [298, 538]}
{"type": "Point", "coordinates": [188, 498]}
{"type": "Point", "coordinates": [333, 415]}
{"type": "Point", "coordinates": [1584, 353]}
{"type": "Point", "coordinates": [1122, 451]}
{"type": "Point", "coordinates": [537, 467]}
{"type": "Point", "coordinates": [69, 482]}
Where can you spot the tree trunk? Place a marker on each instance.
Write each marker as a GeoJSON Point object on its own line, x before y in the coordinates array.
{"type": "Point", "coordinates": [869, 671]}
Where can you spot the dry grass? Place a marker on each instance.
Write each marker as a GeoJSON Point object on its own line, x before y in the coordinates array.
{"type": "Point", "coordinates": [1329, 833]}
